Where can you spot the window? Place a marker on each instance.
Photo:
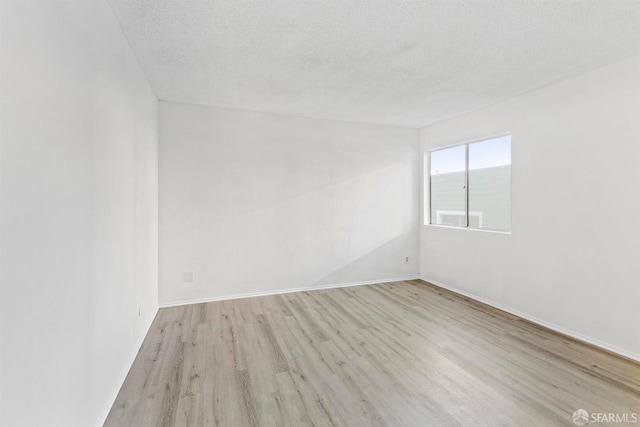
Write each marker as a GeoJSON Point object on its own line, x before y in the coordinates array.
{"type": "Point", "coordinates": [470, 185]}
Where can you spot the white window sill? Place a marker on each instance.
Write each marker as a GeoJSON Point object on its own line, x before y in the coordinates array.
{"type": "Point", "coordinates": [467, 228]}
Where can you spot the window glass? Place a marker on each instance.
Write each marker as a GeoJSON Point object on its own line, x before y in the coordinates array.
{"type": "Point", "coordinates": [470, 185]}
{"type": "Point", "coordinates": [448, 194]}
{"type": "Point", "coordinates": [490, 183]}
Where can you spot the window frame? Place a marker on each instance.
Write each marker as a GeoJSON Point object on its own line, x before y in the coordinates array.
{"type": "Point", "coordinates": [427, 176]}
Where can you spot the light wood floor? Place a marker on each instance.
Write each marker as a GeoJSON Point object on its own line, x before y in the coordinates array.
{"type": "Point", "coordinates": [395, 354]}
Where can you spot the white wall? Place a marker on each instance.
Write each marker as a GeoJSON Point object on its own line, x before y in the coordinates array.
{"type": "Point", "coordinates": [78, 211]}
{"type": "Point", "coordinates": [573, 259]}
{"type": "Point", "coordinates": [254, 202]}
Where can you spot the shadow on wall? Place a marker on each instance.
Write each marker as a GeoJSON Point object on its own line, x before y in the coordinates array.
{"type": "Point", "coordinates": [351, 272]}
{"type": "Point", "coordinates": [339, 233]}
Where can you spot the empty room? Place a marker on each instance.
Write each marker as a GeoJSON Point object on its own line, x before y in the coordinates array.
{"type": "Point", "coordinates": [319, 213]}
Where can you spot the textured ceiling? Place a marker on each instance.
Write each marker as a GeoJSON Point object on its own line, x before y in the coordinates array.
{"type": "Point", "coordinates": [389, 62]}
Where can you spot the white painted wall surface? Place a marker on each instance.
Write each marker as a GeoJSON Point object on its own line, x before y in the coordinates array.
{"type": "Point", "coordinates": [78, 211]}
{"type": "Point", "coordinates": [255, 202]}
{"type": "Point", "coordinates": [573, 258]}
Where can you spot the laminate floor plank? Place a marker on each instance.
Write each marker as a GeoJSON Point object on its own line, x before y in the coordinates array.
{"type": "Point", "coordinates": [393, 354]}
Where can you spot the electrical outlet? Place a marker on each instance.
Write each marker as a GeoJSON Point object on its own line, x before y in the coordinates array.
{"type": "Point", "coordinates": [406, 260]}
{"type": "Point", "coordinates": [188, 277]}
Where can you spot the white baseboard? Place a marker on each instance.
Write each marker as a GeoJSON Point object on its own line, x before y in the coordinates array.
{"type": "Point", "coordinates": [283, 291]}
{"type": "Point", "coordinates": [564, 331]}
{"type": "Point", "coordinates": [132, 358]}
